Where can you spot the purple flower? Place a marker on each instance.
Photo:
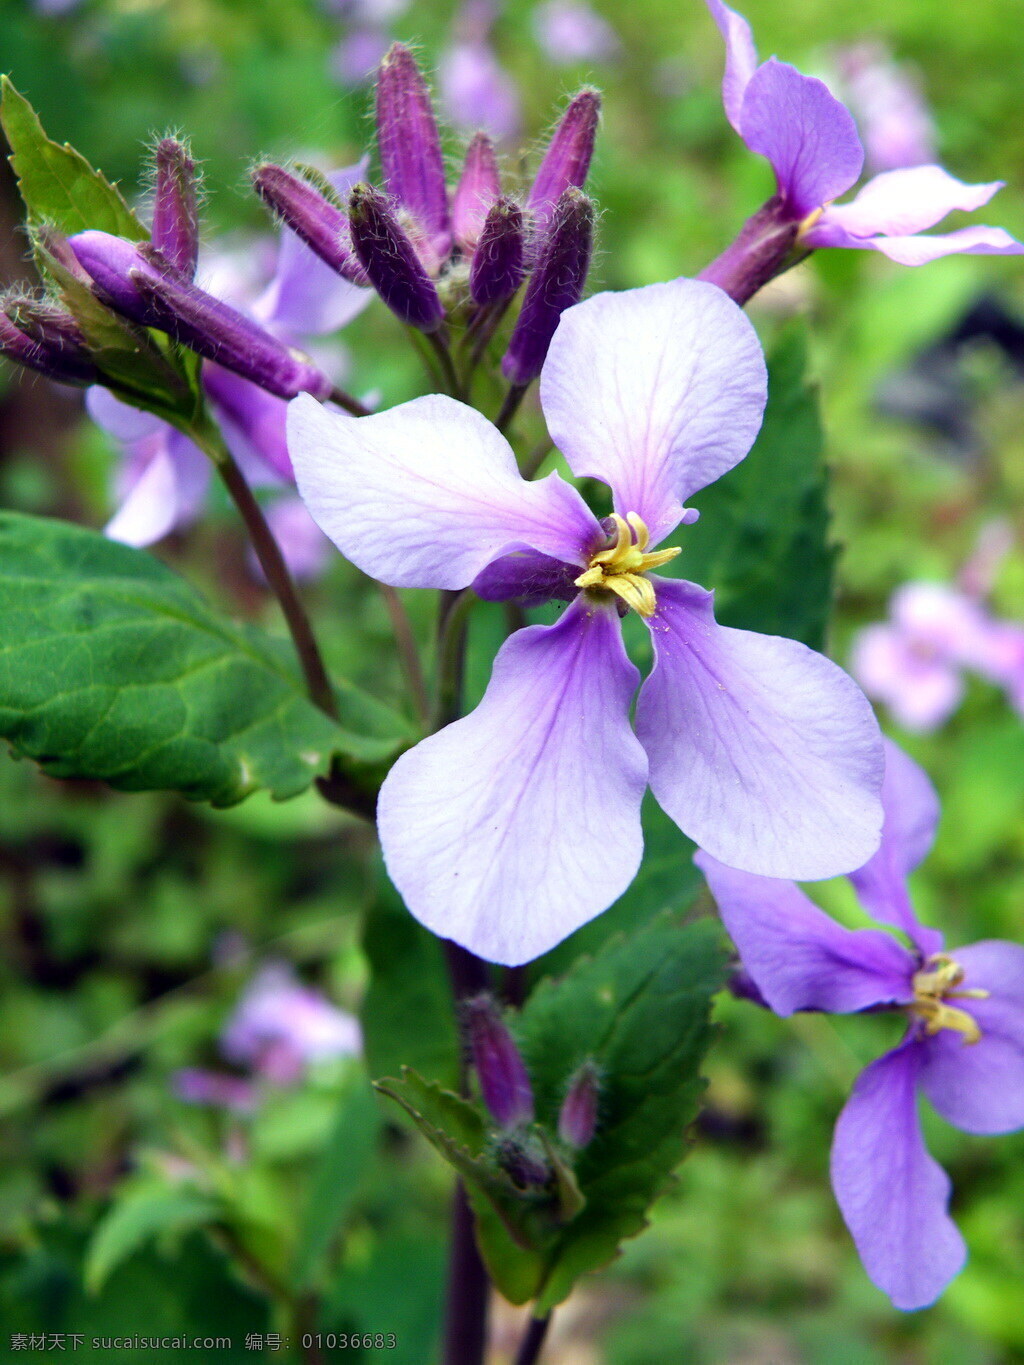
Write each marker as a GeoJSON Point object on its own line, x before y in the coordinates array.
{"type": "Point", "coordinates": [896, 123]}
{"type": "Point", "coordinates": [515, 825]}
{"type": "Point", "coordinates": [915, 661]}
{"type": "Point", "coordinates": [964, 1045]}
{"type": "Point", "coordinates": [477, 92]}
{"type": "Point", "coordinates": [811, 141]}
{"type": "Point", "coordinates": [570, 32]}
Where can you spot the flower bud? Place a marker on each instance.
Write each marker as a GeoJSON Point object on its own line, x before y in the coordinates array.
{"type": "Point", "coordinates": [523, 1163]}
{"type": "Point", "coordinates": [390, 260]}
{"type": "Point", "coordinates": [504, 1083]}
{"type": "Point", "coordinates": [109, 261]}
{"type": "Point", "coordinates": [498, 267]}
{"type": "Point", "coordinates": [410, 148]}
{"type": "Point", "coordinates": [577, 1120]}
{"type": "Point", "coordinates": [556, 284]}
{"type": "Point", "coordinates": [312, 217]}
{"type": "Point", "coordinates": [175, 206]}
{"type": "Point", "coordinates": [567, 158]}
{"type": "Point", "coordinates": [478, 188]}
{"type": "Point", "coordinates": [45, 338]}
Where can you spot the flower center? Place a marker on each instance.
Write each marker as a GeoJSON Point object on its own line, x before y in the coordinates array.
{"type": "Point", "coordinates": [621, 568]}
{"type": "Point", "coordinates": [936, 983]}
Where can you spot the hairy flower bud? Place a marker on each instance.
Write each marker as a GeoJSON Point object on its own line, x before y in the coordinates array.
{"type": "Point", "coordinates": [410, 148]}
{"type": "Point", "coordinates": [556, 284]}
{"type": "Point", "coordinates": [577, 1119]}
{"type": "Point", "coordinates": [390, 260]}
{"type": "Point", "coordinates": [109, 261]}
{"type": "Point", "coordinates": [498, 266]}
{"type": "Point", "coordinates": [478, 188]}
{"type": "Point", "coordinates": [311, 216]}
{"type": "Point", "coordinates": [504, 1083]}
{"type": "Point", "coordinates": [175, 206]}
{"type": "Point", "coordinates": [45, 338]}
{"type": "Point", "coordinates": [567, 159]}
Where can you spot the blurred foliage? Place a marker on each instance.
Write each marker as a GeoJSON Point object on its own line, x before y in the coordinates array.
{"type": "Point", "coordinates": [129, 925]}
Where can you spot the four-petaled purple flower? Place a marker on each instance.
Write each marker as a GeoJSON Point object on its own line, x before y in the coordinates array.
{"type": "Point", "coordinates": [811, 141]}
{"type": "Point", "coordinates": [964, 1045]}
{"type": "Point", "coordinates": [515, 825]}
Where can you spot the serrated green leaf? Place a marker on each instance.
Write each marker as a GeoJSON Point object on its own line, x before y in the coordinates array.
{"type": "Point", "coordinates": [113, 667]}
{"type": "Point", "coordinates": [57, 183]}
{"type": "Point", "coordinates": [137, 1219]}
{"type": "Point", "coordinates": [762, 538]}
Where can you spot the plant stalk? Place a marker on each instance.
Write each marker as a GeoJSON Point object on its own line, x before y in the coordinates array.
{"type": "Point", "coordinates": [530, 1346]}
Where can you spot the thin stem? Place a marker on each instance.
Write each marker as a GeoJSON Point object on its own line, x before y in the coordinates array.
{"type": "Point", "coordinates": [465, 1324]}
{"type": "Point", "coordinates": [510, 406]}
{"type": "Point", "coordinates": [408, 654]}
{"type": "Point", "coordinates": [444, 356]}
{"type": "Point", "coordinates": [451, 654]}
{"type": "Point", "coordinates": [530, 1346]}
{"type": "Point", "coordinates": [536, 457]}
{"type": "Point", "coordinates": [485, 334]}
{"type": "Point", "coordinates": [350, 404]}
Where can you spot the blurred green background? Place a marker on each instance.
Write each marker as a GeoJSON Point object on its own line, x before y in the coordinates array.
{"type": "Point", "coordinates": [129, 924]}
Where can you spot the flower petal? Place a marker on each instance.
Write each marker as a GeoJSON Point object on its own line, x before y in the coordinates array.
{"type": "Point", "coordinates": [766, 754]}
{"type": "Point", "coordinates": [980, 1086]}
{"type": "Point", "coordinates": [809, 138]}
{"type": "Point", "coordinates": [897, 203]}
{"type": "Point", "coordinates": [921, 691]}
{"type": "Point", "coordinates": [515, 825]}
{"type": "Point", "coordinates": [252, 422]}
{"type": "Point", "coordinates": [893, 1195]}
{"type": "Point", "coordinates": [919, 250]}
{"type": "Point", "coordinates": [427, 494]}
{"type": "Point", "coordinates": [740, 58]}
{"type": "Point", "coordinates": [799, 957]}
{"type": "Point", "coordinates": [528, 577]}
{"type": "Point", "coordinates": [656, 391]}
{"type": "Point", "coordinates": [168, 493]}
{"type": "Point", "coordinates": [911, 817]}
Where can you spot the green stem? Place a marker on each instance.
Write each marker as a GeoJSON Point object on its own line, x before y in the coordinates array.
{"type": "Point", "coordinates": [350, 404]}
{"type": "Point", "coordinates": [451, 654]}
{"type": "Point", "coordinates": [510, 406]}
{"type": "Point", "coordinates": [442, 351]}
{"type": "Point", "coordinates": [408, 653]}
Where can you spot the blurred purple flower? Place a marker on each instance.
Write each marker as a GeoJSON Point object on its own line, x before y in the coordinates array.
{"type": "Point", "coordinates": [896, 124]}
{"type": "Point", "coordinates": [356, 57]}
{"type": "Point", "coordinates": [964, 1045]}
{"type": "Point", "coordinates": [657, 392]}
{"type": "Point", "coordinates": [811, 142]}
{"type": "Point", "coordinates": [305, 547]}
{"type": "Point", "coordinates": [216, 1089]}
{"type": "Point", "coordinates": [570, 32]}
{"type": "Point", "coordinates": [477, 92]}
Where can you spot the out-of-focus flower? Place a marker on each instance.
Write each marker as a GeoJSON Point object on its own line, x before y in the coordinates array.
{"type": "Point", "coordinates": [656, 392]}
{"type": "Point", "coordinates": [477, 92]}
{"type": "Point", "coordinates": [569, 32]}
{"type": "Point", "coordinates": [895, 123]}
{"type": "Point", "coordinates": [964, 1045]}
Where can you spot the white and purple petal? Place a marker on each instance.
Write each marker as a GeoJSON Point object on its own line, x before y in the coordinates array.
{"type": "Point", "coordinates": [798, 957]}
{"type": "Point", "coordinates": [167, 481]}
{"type": "Point", "coordinates": [979, 1087]}
{"type": "Point", "coordinates": [740, 58]}
{"type": "Point", "coordinates": [920, 249]}
{"type": "Point", "coordinates": [893, 1195]}
{"type": "Point", "coordinates": [427, 494]}
{"type": "Point", "coordinates": [656, 391]}
{"type": "Point", "coordinates": [898, 203]}
{"type": "Point", "coordinates": [765, 753]}
{"type": "Point", "coordinates": [512, 827]}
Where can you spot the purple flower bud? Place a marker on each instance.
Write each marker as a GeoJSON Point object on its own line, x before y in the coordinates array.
{"type": "Point", "coordinates": [320, 224]}
{"type": "Point", "coordinates": [527, 1168]}
{"type": "Point", "coordinates": [391, 262]}
{"type": "Point", "coordinates": [577, 1120]}
{"type": "Point", "coordinates": [478, 188]}
{"type": "Point", "coordinates": [175, 206]}
{"type": "Point", "coordinates": [504, 1083]}
{"type": "Point", "coordinates": [567, 158]}
{"type": "Point", "coordinates": [109, 261]}
{"type": "Point", "coordinates": [498, 267]}
{"type": "Point", "coordinates": [45, 338]}
{"type": "Point", "coordinates": [410, 148]}
{"type": "Point", "coordinates": [555, 285]}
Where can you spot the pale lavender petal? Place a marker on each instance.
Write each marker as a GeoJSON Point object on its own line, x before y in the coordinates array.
{"type": "Point", "coordinates": [980, 1086]}
{"type": "Point", "coordinates": [889, 106]}
{"type": "Point", "coordinates": [529, 577]}
{"type": "Point", "coordinates": [427, 494]}
{"type": "Point", "coordinates": [766, 754]}
{"type": "Point", "coordinates": [306, 549]}
{"type": "Point", "coordinates": [656, 391]}
{"type": "Point", "coordinates": [740, 59]}
{"type": "Point", "coordinates": [514, 826]}
{"type": "Point", "coordinates": [169, 492]}
{"type": "Point", "coordinates": [897, 203]}
{"type": "Point", "coordinates": [919, 688]}
{"type": "Point", "coordinates": [893, 1195]}
{"type": "Point", "coordinates": [120, 420]}
{"type": "Point", "coordinates": [276, 1008]}
{"type": "Point", "coordinates": [800, 958]}
{"type": "Point", "coordinates": [252, 420]}
{"type": "Point", "coordinates": [570, 32]}
{"type": "Point", "coordinates": [803, 130]}
{"type": "Point", "coordinates": [196, 1086]}
{"type": "Point", "coordinates": [919, 250]}
{"type": "Point", "coordinates": [911, 817]}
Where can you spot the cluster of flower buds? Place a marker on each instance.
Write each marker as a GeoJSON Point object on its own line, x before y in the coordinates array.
{"type": "Point", "coordinates": [43, 336]}
{"type": "Point", "coordinates": [432, 256]}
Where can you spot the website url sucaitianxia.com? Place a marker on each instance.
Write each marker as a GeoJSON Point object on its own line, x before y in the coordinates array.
{"type": "Point", "coordinates": [74, 1341]}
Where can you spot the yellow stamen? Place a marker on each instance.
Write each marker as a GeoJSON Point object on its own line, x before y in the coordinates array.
{"type": "Point", "coordinates": [809, 222]}
{"type": "Point", "coordinates": [621, 567]}
{"type": "Point", "coordinates": [936, 983]}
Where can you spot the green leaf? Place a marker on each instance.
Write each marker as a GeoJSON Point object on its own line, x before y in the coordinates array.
{"type": "Point", "coordinates": [336, 1181]}
{"type": "Point", "coordinates": [762, 538]}
{"type": "Point", "coordinates": [113, 667]}
{"type": "Point", "coordinates": [57, 183]}
{"type": "Point", "coordinates": [138, 1218]}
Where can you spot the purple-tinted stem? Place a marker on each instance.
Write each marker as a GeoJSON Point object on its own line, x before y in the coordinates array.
{"type": "Point", "coordinates": [764, 249]}
{"type": "Point", "coordinates": [530, 1346]}
{"type": "Point", "coordinates": [469, 1289]}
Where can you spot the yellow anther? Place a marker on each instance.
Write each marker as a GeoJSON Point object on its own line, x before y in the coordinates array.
{"type": "Point", "coordinates": [621, 567]}
{"type": "Point", "coordinates": [936, 983]}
